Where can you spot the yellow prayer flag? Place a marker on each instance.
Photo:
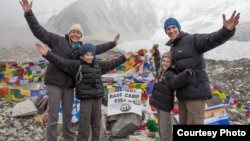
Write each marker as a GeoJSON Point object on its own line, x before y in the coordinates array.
{"type": "Point", "coordinates": [38, 118]}
{"type": "Point", "coordinates": [156, 120]}
{"type": "Point", "coordinates": [7, 74]}
{"type": "Point", "coordinates": [36, 78]}
{"type": "Point", "coordinates": [12, 97]}
{"type": "Point", "coordinates": [9, 69]}
{"type": "Point", "coordinates": [223, 96]}
{"type": "Point", "coordinates": [143, 85]}
{"type": "Point", "coordinates": [110, 88]}
{"type": "Point", "coordinates": [19, 64]}
{"type": "Point", "coordinates": [43, 78]}
{"type": "Point", "coordinates": [25, 92]}
{"type": "Point", "coordinates": [28, 77]}
{"type": "Point", "coordinates": [129, 63]}
{"type": "Point", "coordinates": [3, 85]}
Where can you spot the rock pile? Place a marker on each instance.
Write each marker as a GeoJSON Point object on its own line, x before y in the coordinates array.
{"type": "Point", "coordinates": [233, 78]}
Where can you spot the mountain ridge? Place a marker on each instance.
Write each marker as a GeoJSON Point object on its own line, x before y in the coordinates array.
{"type": "Point", "coordinates": [139, 23]}
{"type": "Point", "coordinates": [105, 20]}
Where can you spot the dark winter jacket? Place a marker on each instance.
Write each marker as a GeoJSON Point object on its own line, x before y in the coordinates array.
{"type": "Point", "coordinates": [187, 52]}
{"type": "Point", "coordinates": [91, 86]}
{"type": "Point", "coordinates": [59, 45]}
{"type": "Point", "coordinates": [163, 91]}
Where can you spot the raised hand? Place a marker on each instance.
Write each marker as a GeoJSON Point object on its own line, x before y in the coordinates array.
{"type": "Point", "coordinates": [153, 49]}
{"type": "Point", "coordinates": [42, 50]}
{"type": "Point", "coordinates": [117, 37]}
{"type": "Point", "coordinates": [26, 5]}
{"type": "Point", "coordinates": [127, 55]}
{"type": "Point", "coordinates": [231, 23]}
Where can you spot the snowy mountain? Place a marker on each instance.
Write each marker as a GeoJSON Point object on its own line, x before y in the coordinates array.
{"type": "Point", "coordinates": [200, 16]}
{"type": "Point", "coordinates": [102, 20]}
{"type": "Point", "coordinates": [139, 20]}
{"type": "Point", "coordinates": [140, 23]}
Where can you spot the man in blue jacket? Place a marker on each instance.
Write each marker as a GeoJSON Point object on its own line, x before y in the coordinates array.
{"type": "Point", "coordinates": [187, 52]}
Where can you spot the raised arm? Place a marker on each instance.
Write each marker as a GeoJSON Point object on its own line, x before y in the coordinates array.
{"type": "Point", "coordinates": [106, 66]}
{"type": "Point", "coordinates": [99, 48]}
{"type": "Point", "coordinates": [107, 46]}
{"type": "Point", "coordinates": [38, 31]}
{"type": "Point", "coordinates": [206, 42]}
{"type": "Point", "coordinates": [68, 66]}
{"type": "Point", "coordinates": [156, 54]}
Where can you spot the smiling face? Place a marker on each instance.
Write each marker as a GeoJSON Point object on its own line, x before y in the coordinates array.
{"type": "Point", "coordinates": [172, 31]}
{"type": "Point", "coordinates": [165, 62]}
{"type": "Point", "coordinates": [88, 57]}
{"type": "Point", "coordinates": [75, 35]}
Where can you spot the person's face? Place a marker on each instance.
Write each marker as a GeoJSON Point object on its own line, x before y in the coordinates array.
{"type": "Point", "coordinates": [172, 31]}
{"type": "Point", "coordinates": [88, 57]}
{"type": "Point", "coordinates": [165, 62]}
{"type": "Point", "coordinates": [75, 35]}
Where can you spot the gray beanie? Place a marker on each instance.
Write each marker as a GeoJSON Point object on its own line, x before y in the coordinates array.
{"type": "Point", "coordinates": [76, 27]}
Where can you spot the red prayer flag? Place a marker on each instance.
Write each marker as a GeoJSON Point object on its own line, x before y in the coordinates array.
{"type": "Point", "coordinates": [4, 91]}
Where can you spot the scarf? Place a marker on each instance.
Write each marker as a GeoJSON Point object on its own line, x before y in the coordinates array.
{"type": "Point", "coordinates": [76, 45]}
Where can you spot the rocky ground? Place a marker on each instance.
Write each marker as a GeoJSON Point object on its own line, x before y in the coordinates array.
{"type": "Point", "coordinates": [232, 77]}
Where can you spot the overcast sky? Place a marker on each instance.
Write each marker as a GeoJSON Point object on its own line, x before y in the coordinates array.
{"type": "Point", "coordinates": [12, 12]}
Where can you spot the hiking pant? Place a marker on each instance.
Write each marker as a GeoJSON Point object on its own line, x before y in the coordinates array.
{"type": "Point", "coordinates": [57, 95]}
{"type": "Point", "coordinates": [90, 118]}
{"type": "Point", "coordinates": [191, 112]}
{"type": "Point", "coordinates": [165, 125]}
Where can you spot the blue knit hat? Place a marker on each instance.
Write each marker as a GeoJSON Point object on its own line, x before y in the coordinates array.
{"type": "Point", "coordinates": [172, 21]}
{"type": "Point", "coordinates": [88, 48]}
